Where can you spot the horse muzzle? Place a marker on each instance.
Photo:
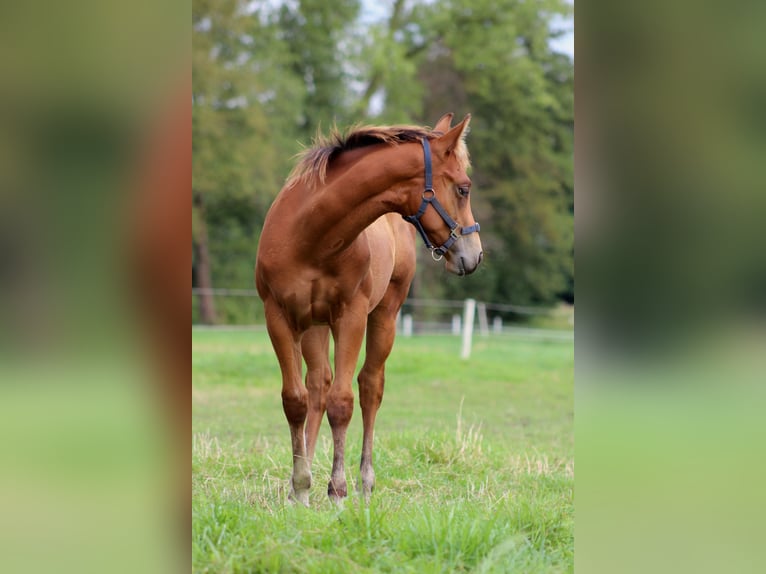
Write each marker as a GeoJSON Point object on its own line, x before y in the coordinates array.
{"type": "Point", "coordinates": [461, 263]}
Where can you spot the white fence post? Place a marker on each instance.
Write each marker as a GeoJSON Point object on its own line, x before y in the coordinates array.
{"type": "Point", "coordinates": [407, 325]}
{"type": "Point", "coordinates": [481, 309]}
{"type": "Point", "coordinates": [497, 325]}
{"type": "Point", "coordinates": [456, 324]}
{"type": "Point", "coordinates": [469, 309]}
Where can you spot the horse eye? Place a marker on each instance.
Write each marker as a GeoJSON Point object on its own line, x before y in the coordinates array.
{"type": "Point", "coordinates": [463, 191]}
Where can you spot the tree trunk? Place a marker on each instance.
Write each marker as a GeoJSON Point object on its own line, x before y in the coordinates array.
{"type": "Point", "coordinates": [202, 274]}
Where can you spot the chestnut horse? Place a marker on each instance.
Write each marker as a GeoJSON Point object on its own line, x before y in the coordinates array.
{"type": "Point", "coordinates": [334, 257]}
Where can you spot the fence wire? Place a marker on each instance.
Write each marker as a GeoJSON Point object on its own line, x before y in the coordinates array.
{"type": "Point", "coordinates": [418, 316]}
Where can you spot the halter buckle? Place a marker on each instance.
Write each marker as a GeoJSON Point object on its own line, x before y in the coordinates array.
{"type": "Point", "coordinates": [454, 232]}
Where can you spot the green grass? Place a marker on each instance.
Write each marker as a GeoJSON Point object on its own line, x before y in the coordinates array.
{"type": "Point", "coordinates": [473, 459]}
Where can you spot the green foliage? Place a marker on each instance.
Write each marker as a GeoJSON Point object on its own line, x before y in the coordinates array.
{"type": "Point", "coordinates": [244, 104]}
{"type": "Point", "coordinates": [243, 129]}
{"type": "Point", "coordinates": [388, 67]}
{"type": "Point", "coordinates": [474, 463]}
{"type": "Point", "coordinates": [265, 77]}
{"type": "Point", "coordinates": [520, 95]}
{"type": "Point", "coordinates": [314, 31]}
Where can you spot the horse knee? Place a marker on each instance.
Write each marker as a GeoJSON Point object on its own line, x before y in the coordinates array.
{"type": "Point", "coordinates": [295, 405]}
{"type": "Point", "coordinates": [340, 409]}
{"type": "Point", "coordinates": [370, 389]}
{"type": "Point", "coordinates": [319, 380]}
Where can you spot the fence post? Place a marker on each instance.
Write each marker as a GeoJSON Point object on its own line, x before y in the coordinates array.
{"type": "Point", "coordinates": [497, 325]}
{"type": "Point", "coordinates": [455, 324]}
{"type": "Point", "coordinates": [407, 325]}
{"type": "Point", "coordinates": [469, 308]}
{"type": "Point", "coordinates": [481, 309]}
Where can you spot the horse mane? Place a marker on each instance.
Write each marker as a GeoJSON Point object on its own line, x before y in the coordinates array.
{"type": "Point", "coordinates": [313, 162]}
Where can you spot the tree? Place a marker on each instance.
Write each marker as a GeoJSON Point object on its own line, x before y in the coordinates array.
{"type": "Point", "coordinates": [314, 33]}
{"type": "Point", "coordinates": [387, 68]}
{"type": "Point", "coordinates": [492, 58]}
{"type": "Point", "coordinates": [240, 121]}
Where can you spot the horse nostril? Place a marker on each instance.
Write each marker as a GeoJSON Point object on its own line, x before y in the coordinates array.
{"type": "Point", "coordinates": [481, 256]}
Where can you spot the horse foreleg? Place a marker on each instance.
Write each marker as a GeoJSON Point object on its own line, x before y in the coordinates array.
{"type": "Point", "coordinates": [381, 329]}
{"type": "Point", "coordinates": [286, 345]}
{"type": "Point", "coordinates": [348, 332]}
{"type": "Point", "coordinates": [315, 346]}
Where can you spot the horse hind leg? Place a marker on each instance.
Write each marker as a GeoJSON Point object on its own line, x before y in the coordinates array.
{"type": "Point", "coordinates": [315, 347]}
{"type": "Point", "coordinates": [286, 345]}
{"type": "Point", "coordinates": [381, 330]}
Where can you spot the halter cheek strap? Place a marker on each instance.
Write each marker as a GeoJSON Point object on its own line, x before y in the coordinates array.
{"type": "Point", "coordinates": [429, 198]}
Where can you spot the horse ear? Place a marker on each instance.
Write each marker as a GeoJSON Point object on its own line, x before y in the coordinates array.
{"type": "Point", "coordinates": [448, 142]}
{"type": "Point", "coordinates": [444, 123]}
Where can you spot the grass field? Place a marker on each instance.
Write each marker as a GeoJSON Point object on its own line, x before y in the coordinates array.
{"type": "Point", "coordinates": [474, 463]}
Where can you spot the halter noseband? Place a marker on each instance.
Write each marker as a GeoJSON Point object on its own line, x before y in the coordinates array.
{"type": "Point", "coordinates": [429, 198]}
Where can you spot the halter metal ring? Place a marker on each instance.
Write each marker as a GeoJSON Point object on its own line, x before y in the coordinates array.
{"type": "Point", "coordinates": [428, 194]}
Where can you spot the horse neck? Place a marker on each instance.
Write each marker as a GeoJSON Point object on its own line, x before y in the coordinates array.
{"type": "Point", "coordinates": [360, 190]}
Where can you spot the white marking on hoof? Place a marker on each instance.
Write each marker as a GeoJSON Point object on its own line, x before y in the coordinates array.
{"type": "Point", "coordinates": [366, 483]}
{"type": "Point", "coordinates": [301, 496]}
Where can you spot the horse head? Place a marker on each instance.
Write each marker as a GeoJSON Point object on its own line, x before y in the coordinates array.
{"type": "Point", "coordinates": [448, 229]}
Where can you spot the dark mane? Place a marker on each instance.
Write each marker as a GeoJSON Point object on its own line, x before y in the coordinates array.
{"type": "Point", "coordinates": [313, 162]}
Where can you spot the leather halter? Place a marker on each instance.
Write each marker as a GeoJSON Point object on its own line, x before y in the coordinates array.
{"type": "Point", "coordinates": [429, 198]}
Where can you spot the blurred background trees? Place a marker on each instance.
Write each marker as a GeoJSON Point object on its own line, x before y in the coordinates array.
{"type": "Point", "coordinates": [266, 75]}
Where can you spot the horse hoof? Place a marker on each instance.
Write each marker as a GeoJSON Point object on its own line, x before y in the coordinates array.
{"type": "Point", "coordinates": [336, 490]}
{"type": "Point", "coordinates": [300, 497]}
{"type": "Point", "coordinates": [365, 490]}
